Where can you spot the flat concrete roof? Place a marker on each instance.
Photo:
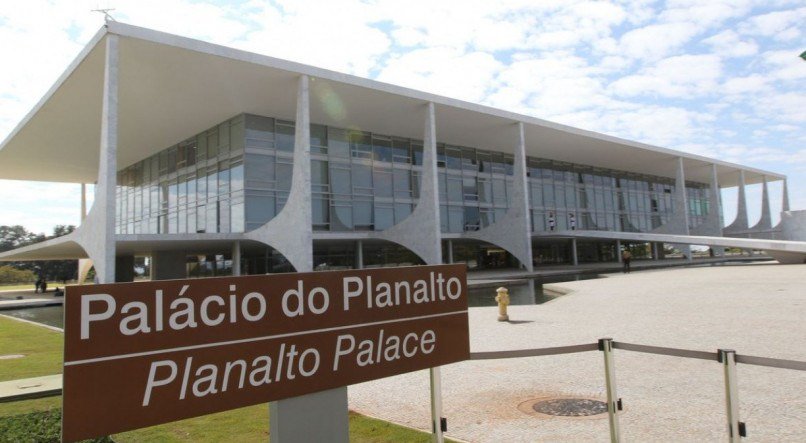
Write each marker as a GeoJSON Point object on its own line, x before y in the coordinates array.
{"type": "Point", "coordinates": [172, 87]}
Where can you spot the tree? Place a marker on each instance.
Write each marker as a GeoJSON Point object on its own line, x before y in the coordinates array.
{"type": "Point", "coordinates": [12, 237]}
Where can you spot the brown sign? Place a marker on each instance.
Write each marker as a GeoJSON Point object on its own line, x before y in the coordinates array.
{"type": "Point", "coordinates": [141, 354]}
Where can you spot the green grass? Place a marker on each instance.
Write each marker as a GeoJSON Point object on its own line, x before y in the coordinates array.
{"type": "Point", "coordinates": [43, 350]}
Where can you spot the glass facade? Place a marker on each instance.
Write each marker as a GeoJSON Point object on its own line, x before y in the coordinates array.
{"type": "Point", "coordinates": [194, 186]}
{"type": "Point", "coordinates": [236, 176]}
{"type": "Point", "coordinates": [569, 196]}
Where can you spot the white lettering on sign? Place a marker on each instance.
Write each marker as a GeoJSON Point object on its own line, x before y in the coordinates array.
{"type": "Point", "coordinates": [384, 294]}
{"type": "Point", "coordinates": [182, 312]}
{"type": "Point", "coordinates": [385, 348]}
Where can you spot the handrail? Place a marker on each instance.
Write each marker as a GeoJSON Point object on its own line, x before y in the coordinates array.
{"type": "Point", "coordinates": [647, 349]}
{"type": "Point", "coordinates": [659, 350]}
{"type": "Point", "coordinates": [534, 352]}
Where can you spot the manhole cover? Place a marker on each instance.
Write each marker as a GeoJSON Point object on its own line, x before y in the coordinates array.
{"type": "Point", "coordinates": [570, 407]}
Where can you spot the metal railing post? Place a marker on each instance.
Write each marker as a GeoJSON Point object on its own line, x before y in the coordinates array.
{"type": "Point", "coordinates": [613, 402]}
{"type": "Point", "coordinates": [728, 359]}
{"type": "Point", "coordinates": [436, 405]}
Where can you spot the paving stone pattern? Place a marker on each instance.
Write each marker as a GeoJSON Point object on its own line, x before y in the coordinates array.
{"type": "Point", "coordinates": [756, 309]}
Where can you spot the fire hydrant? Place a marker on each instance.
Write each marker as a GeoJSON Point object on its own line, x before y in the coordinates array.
{"type": "Point", "coordinates": [503, 301]}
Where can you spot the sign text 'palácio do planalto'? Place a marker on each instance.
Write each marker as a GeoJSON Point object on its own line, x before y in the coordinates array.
{"type": "Point", "coordinates": [140, 354]}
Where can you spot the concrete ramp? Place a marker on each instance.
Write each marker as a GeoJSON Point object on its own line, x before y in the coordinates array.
{"type": "Point", "coordinates": [784, 251]}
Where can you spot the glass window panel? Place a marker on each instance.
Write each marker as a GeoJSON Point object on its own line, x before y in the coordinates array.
{"type": "Point", "coordinates": [223, 179]}
{"type": "Point", "coordinates": [237, 222]}
{"type": "Point", "coordinates": [402, 179]}
{"type": "Point", "coordinates": [485, 189]}
{"type": "Point", "coordinates": [400, 151]}
{"type": "Point", "coordinates": [342, 217]}
{"type": "Point", "coordinates": [470, 189]}
{"type": "Point", "coordinates": [362, 214]}
{"type": "Point", "coordinates": [456, 220]}
{"type": "Point", "coordinates": [361, 145]}
{"type": "Point", "coordinates": [548, 195]}
{"type": "Point", "coordinates": [319, 172]}
{"type": "Point", "coordinates": [382, 181]}
{"type": "Point", "coordinates": [472, 221]}
{"type": "Point", "coordinates": [499, 191]}
{"type": "Point", "coordinates": [362, 178]}
{"type": "Point", "coordinates": [237, 136]}
{"type": "Point", "coordinates": [236, 177]}
{"type": "Point", "coordinates": [284, 173]}
{"type": "Point", "coordinates": [212, 144]}
{"type": "Point", "coordinates": [417, 153]}
{"type": "Point", "coordinates": [454, 189]}
{"type": "Point", "coordinates": [284, 133]}
{"type": "Point", "coordinates": [259, 209]}
{"type": "Point", "coordinates": [384, 217]}
{"type": "Point", "coordinates": [382, 148]}
{"type": "Point", "coordinates": [341, 183]}
{"type": "Point", "coordinates": [559, 194]}
{"type": "Point", "coordinates": [338, 143]}
{"type": "Point", "coordinates": [453, 158]}
{"type": "Point", "coordinates": [318, 136]}
{"type": "Point", "coordinates": [320, 210]}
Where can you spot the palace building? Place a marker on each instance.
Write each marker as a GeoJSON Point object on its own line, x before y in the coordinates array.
{"type": "Point", "coordinates": [215, 161]}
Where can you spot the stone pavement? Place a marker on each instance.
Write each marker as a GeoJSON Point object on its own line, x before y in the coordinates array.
{"type": "Point", "coordinates": [756, 309]}
{"type": "Point", "coordinates": [27, 388]}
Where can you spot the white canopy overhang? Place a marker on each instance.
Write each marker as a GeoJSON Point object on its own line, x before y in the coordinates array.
{"type": "Point", "coordinates": [171, 87]}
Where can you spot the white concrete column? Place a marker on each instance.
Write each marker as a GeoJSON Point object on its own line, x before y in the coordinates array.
{"type": "Point", "coordinates": [740, 224]}
{"type": "Point", "coordinates": [618, 250]}
{"type": "Point", "coordinates": [290, 232]}
{"type": "Point", "coordinates": [681, 199]}
{"type": "Point", "coordinates": [450, 251]}
{"type": "Point", "coordinates": [83, 201]}
{"type": "Point", "coordinates": [785, 203]}
{"type": "Point", "coordinates": [321, 416]}
{"type": "Point", "coordinates": [513, 232]}
{"type": "Point", "coordinates": [574, 256]}
{"type": "Point", "coordinates": [420, 231]}
{"type": "Point", "coordinates": [765, 222]}
{"type": "Point", "coordinates": [236, 258]}
{"type": "Point", "coordinates": [655, 251]}
{"type": "Point", "coordinates": [359, 254]}
{"type": "Point", "coordinates": [98, 236]}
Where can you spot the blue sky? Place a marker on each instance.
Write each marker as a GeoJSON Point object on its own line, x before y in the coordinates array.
{"type": "Point", "coordinates": [721, 78]}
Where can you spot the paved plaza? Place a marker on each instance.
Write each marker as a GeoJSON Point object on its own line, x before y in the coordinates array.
{"type": "Point", "coordinates": [756, 309]}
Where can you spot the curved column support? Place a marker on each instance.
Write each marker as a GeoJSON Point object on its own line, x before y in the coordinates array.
{"type": "Point", "coordinates": [420, 231]}
{"type": "Point", "coordinates": [784, 207]}
{"type": "Point", "coordinates": [513, 231]}
{"type": "Point", "coordinates": [712, 225]}
{"type": "Point", "coordinates": [765, 222]}
{"type": "Point", "coordinates": [97, 234]}
{"type": "Point", "coordinates": [290, 231]}
{"type": "Point", "coordinates": [678, 222]}
{"type": "Point", "coordinates": [740, 224]}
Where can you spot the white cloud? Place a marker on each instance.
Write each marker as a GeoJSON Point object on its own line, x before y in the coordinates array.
{"type": "Point", "coordinates": [656, 41]}
{"type": "Point", "coordinates": [729, 44]}
{"type": "Point", "coordinates": [680, 76]}
{"type": "Point", "coordinates": [444, 71]}
{"type": "Point", "coordinates": [782, 25]}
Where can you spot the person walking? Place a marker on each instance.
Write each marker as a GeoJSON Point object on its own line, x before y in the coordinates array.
{"type": "Point", "coordinates": [37, 284]}
{"type": "Point", "coordinates": [626, 257]}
